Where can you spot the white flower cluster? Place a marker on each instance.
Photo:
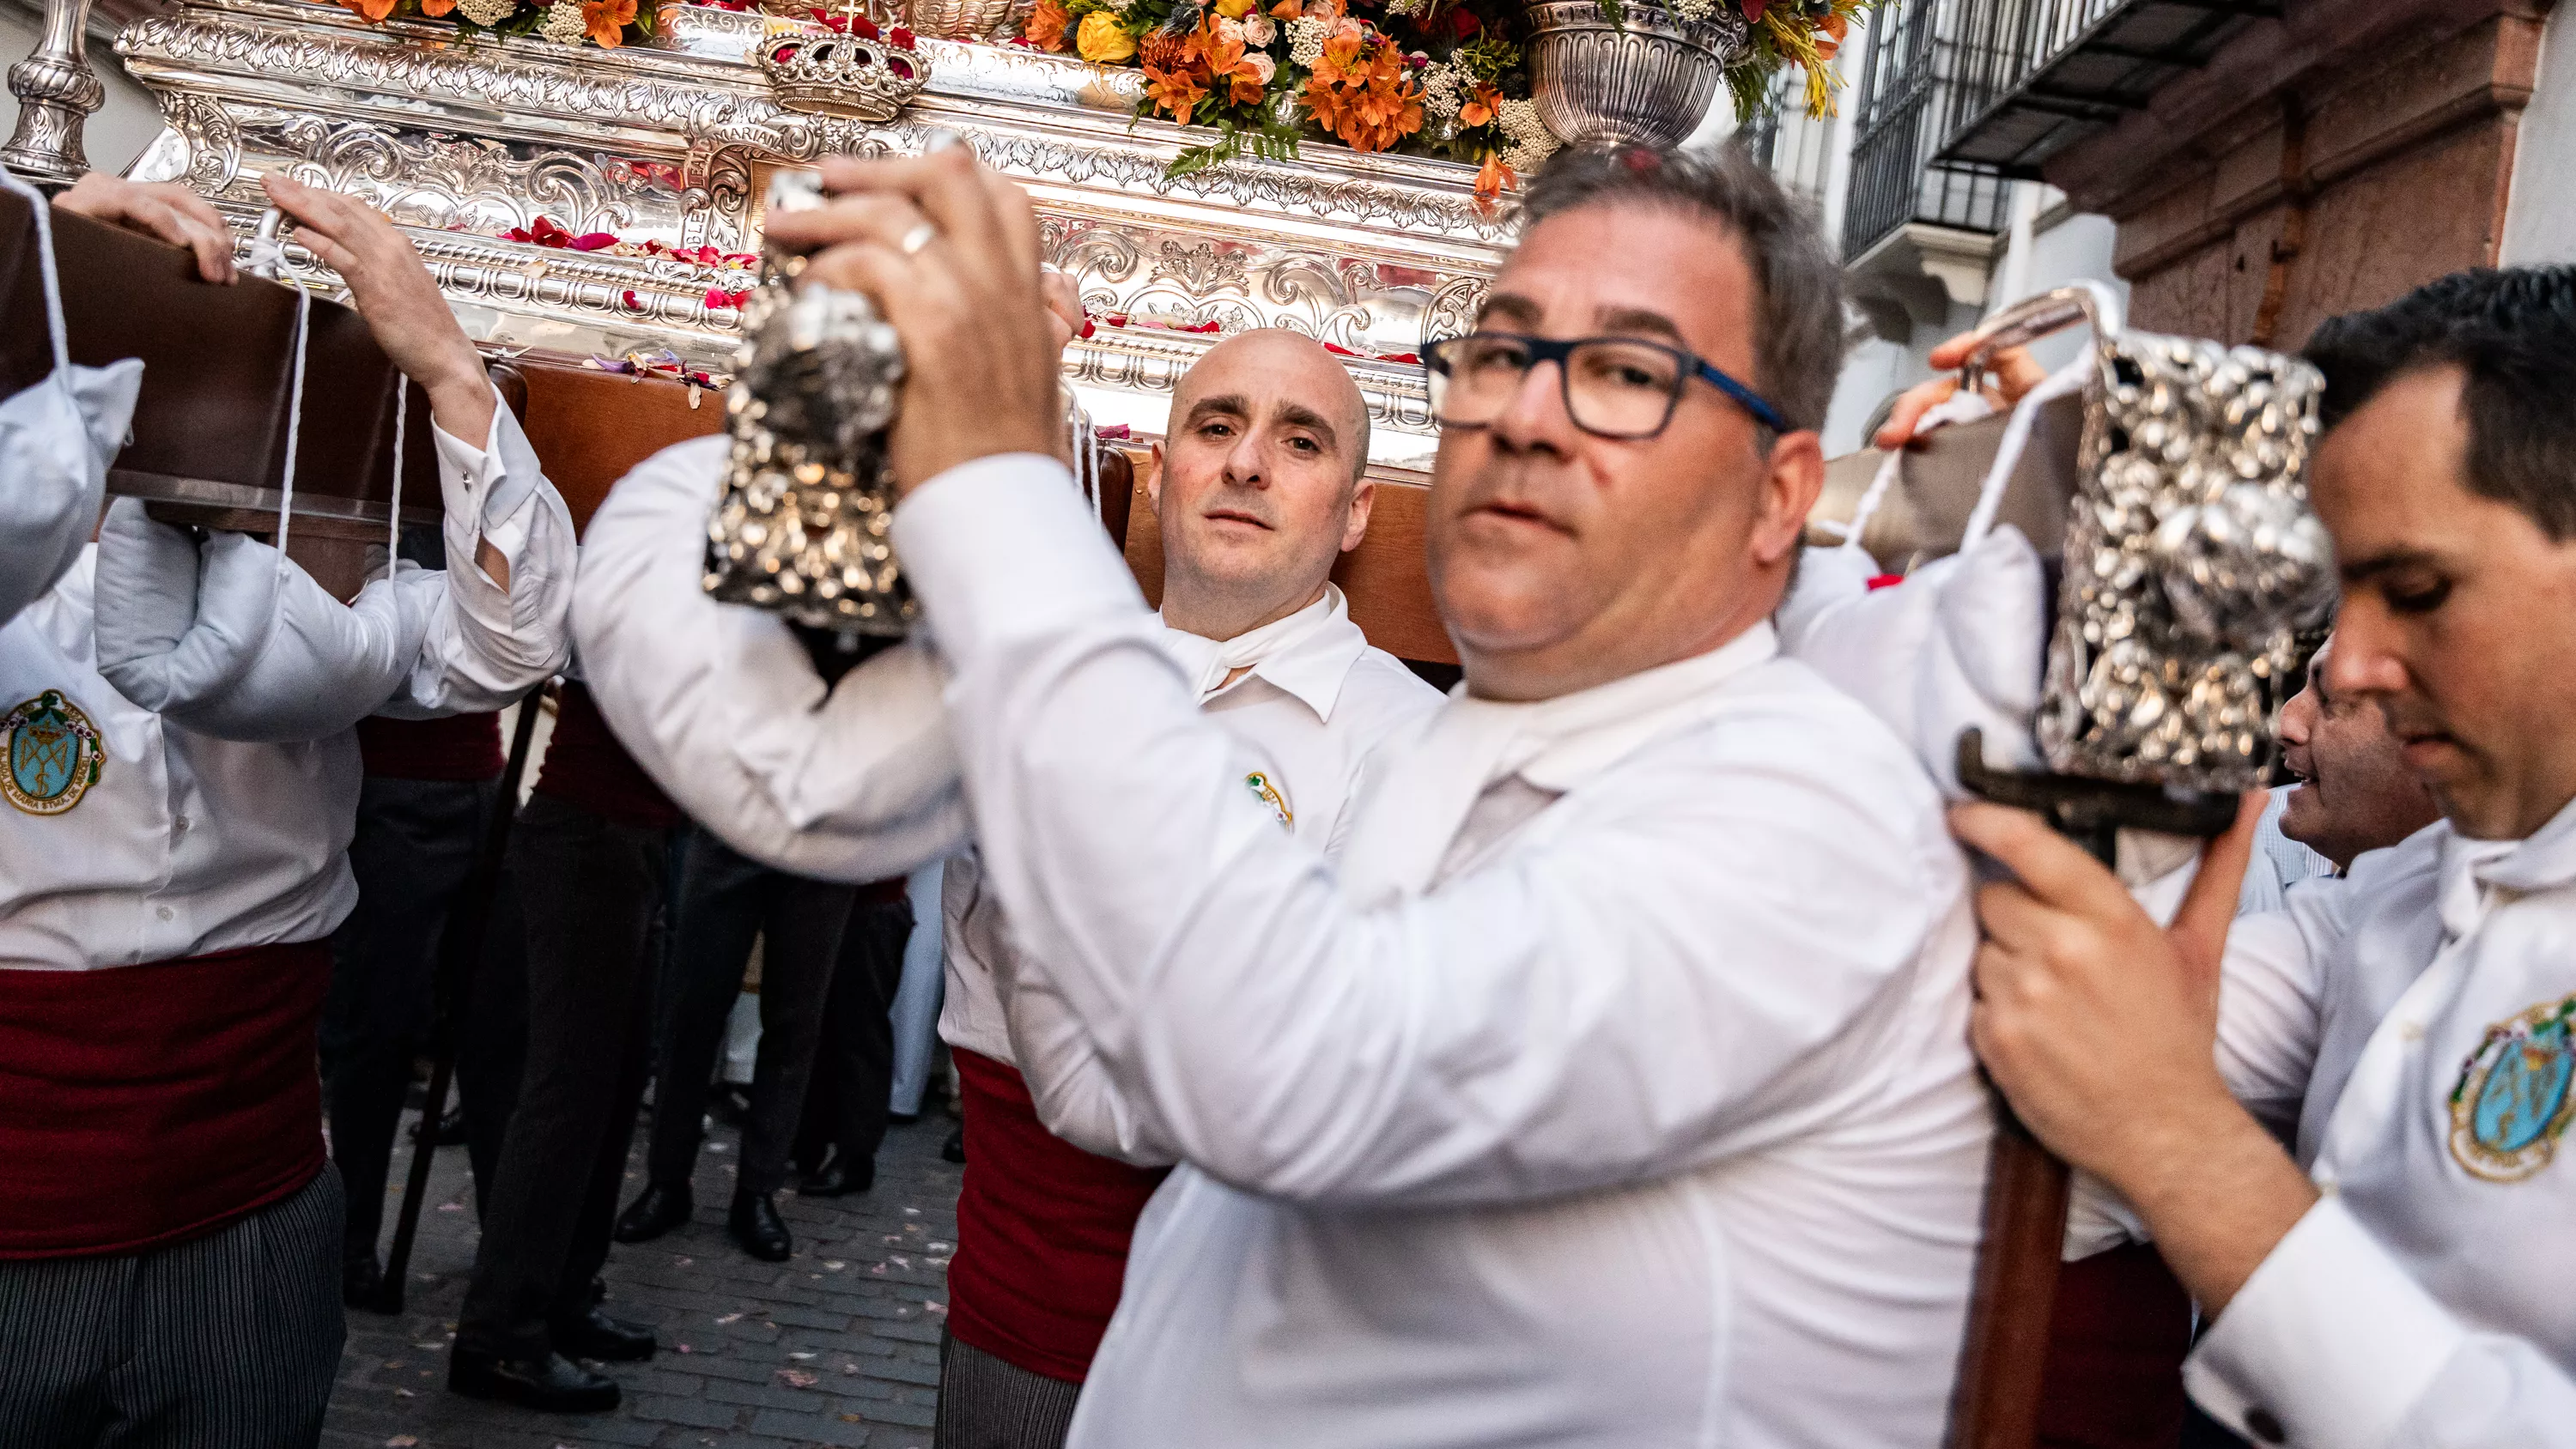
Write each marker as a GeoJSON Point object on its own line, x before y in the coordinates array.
{"type": "Point", "coordinates": [1306, 40]}
{"type": "Point", "coordinates": [564, 23]}
{"type": "Point", "coordinates": [487, 12]}
{"type": "Point", "coordinates": [1695, 10]}
{"type": "Point", "coordinates": [1531, 143]}
{"type": "Point", "coordinates": [1396, 9]}
{"type": "Point", "coordinates": [1440, 96]}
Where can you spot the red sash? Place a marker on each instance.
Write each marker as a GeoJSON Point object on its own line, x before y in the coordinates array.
{"type": "Point", "coordinates": [141, 1106]}
{"type": "Point", "coordinates": [1042, 1231]}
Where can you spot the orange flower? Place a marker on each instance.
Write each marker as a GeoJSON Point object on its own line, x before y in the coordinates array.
{"type": "Point", "coordinates": [1836, 27]}
{"type": "Point", "coordinates": [1163, 50]}
{"type": "Point", "coordinates": [1047, 25]}
{"type": "Point", "coordinates": [1176, 91]}
{"type": "Point", "coordinates": [1362, 94]}
{"type": "Point", "coordinates": [375, 11]}
{"type": "Point", "coordinates": [436, 8]}
{"type": "Point", "coordinates": [1492, 180]}
{"type": "Point", "coordinates": [1482, 109]}
{"type": "Point", "coordinates": [605, 21]}
{"type": "Point", "coordinates": [1226, 63]}
{"type": "Point", "coordinates": [1288, 9]}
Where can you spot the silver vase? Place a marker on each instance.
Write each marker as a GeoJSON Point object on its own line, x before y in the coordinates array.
{"type": "Point", "coordinates": [1646, 80]}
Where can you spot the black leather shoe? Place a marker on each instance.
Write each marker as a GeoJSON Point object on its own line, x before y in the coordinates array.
{"type": "Point", "coordinates": [361, 1281]}
{"type": "Point", "coordinates": [954, 1149]}
{"type": "Point", "coordinates": [756, 1225]}
{"type": "Point", "coordinates": [839, 1177]}
{"type": "Point", "coordinates": [658, 1211]}
{"type": "Point", "coordinates": [596, 1335]}
{"type": "Point", "coordinates": [554, 1383]}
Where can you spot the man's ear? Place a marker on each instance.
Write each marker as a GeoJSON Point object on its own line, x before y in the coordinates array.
{"type": "Point", "coordinates": [1154, 479]}
{"type": "Point", "coordinates": [1789, 492]}
{"type": "Point", "coordinates": [1363, 498]}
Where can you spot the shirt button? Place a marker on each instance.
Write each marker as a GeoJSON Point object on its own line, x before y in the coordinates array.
{"type": "Point", "coordinates": [180, 825]}
{"type": "Point", "coordinates": [2264, 1425]}
{"type": "Point", "coordinates": [163, 913]}
{"type": "Point", "coordinates": [2410, 1030]}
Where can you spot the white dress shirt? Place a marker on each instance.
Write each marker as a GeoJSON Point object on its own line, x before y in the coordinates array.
{"type": "Point", "coordinates": [1313, 699]}
{"type": "Point", "coordinates": [187, 845]}
{"type": "Point", "coordinates": [1615, 1092]}
{"type": "Point", "coordinates": [2425, 1300]}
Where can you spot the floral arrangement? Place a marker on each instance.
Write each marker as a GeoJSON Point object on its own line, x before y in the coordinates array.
{"type": "Point", "coordinates": [1432, 77]}
{"type": "Point", "coordinates": [605, 23]}
{"type": "Point", "coordinates": [1781, 33]}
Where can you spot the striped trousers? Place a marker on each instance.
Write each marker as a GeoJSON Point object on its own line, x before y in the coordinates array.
{"type": "Point", "coordinates": [227, 1342]}
{"type": "Point", "coordinates": [991, 1403]}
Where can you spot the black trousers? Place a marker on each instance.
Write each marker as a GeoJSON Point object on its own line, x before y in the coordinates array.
{"type": "Point", "coordinates": [724, 900]}
{"type": "Point", "coordinates": [414, 845]}
{"type": "Point", "coordinates": [845, 1105]}
{"type": "Point", "coordinates": [587, 888]}
{"type": "Point", "coordinates": [229, 1341]}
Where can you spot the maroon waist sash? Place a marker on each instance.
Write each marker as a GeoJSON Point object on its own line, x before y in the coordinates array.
{"type": "Point", "coordinates": [142, 1106]}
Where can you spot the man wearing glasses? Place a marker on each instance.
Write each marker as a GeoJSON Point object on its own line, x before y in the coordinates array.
{"type": "Point", "coordinates": [1611, 1088]}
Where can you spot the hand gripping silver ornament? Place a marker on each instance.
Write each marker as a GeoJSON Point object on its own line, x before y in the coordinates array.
{"type": "Point", "coordinates": [802, 526]}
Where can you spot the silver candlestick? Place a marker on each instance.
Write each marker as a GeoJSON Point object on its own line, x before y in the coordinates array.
{"type": "Point", "coordinates": [56, 93]}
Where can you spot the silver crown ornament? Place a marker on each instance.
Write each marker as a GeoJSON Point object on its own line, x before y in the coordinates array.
{"type": "Point", "coordinates": [801, 528]}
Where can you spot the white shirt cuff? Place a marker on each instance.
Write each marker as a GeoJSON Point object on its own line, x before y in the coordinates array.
{"type": "Point", "coordinates": [1003, 547]}
{"type": "Point", "coordinates": [2330, 1343]}
{"type": "Point", "coordinates": [472, 477]}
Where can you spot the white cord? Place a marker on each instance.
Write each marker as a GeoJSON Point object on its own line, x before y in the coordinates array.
{"type": "Point", "coordinates": [45, 253]}
{"type": "Point", "coordinates": [269, 252]}
{"type": "Point", "coordinates": [1990, 498]}
{"type": "Point", "coordinates": [393, 509]}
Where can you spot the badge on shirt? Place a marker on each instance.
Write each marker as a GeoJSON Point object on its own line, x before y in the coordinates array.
{"type": "Point", "coordinates": [54, 754]}
{"type": "Point", "coordinates": [2513, 1102]}
{"type": "Point", "coordinates": [1259, 784]}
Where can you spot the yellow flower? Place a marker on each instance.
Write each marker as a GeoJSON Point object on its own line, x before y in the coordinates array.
{"type": "Point", "coordinates": [1233, 9]}
{"type": "Point", "coordinates": [1102, 40]}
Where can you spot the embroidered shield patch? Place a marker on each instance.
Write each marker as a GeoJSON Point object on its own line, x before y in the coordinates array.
{"type": "Point", "coordinates": [1259, 784]}
{"type": "Point", "coordinates": [2513, 1101]}
{"type": "Point", "coordinates": [53, 754]}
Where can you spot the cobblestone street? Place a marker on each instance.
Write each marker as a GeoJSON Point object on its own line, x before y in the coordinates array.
{"type": "Point", "coordinates": [837, 1346]}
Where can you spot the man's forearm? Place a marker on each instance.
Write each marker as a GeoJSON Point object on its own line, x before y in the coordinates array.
{"type": "Point", "coordinates": [2218, 1194]}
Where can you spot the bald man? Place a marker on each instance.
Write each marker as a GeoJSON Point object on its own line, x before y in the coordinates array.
{"type": "Point", "coordinates": [1257, 488]}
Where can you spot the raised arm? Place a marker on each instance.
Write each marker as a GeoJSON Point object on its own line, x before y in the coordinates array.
{"type": "Point", "coordinates": [721, 704]}
{"type": "Point", "coordinates": [1561, 1024]}
{"type": "Point", "coordinates": [498, 615]}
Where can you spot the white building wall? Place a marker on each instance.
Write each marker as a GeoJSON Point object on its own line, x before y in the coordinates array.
{"type": "Point", "coordinates": [2540, 212]}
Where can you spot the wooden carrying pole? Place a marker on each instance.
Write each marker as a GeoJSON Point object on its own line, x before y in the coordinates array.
{"type": "Point", "coordinates": [2015, 1295]}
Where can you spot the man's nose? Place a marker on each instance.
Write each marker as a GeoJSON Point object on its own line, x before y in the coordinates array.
{"type": "Point", "coordinates": [1247, 463]}
{"type": "Point", "coordinates": [2365, 661]}
{"type": "Point", "coordinates": [1535, 417]}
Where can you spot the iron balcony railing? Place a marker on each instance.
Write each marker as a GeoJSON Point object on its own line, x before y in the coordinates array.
{"type": "Point", "coordinates": [2032, 77]}
{"type": "Point", "coordinates": [1907, 83]}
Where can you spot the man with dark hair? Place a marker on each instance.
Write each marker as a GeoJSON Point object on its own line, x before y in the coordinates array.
{"type": "Point", "coordinates": [1611, 1087]}
{"type": "Point", "coordinates": [2395, 1277]}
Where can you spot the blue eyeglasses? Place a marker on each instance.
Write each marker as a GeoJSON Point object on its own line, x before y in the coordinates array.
{"type": "Point", "coordinates": [1614, 387]}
